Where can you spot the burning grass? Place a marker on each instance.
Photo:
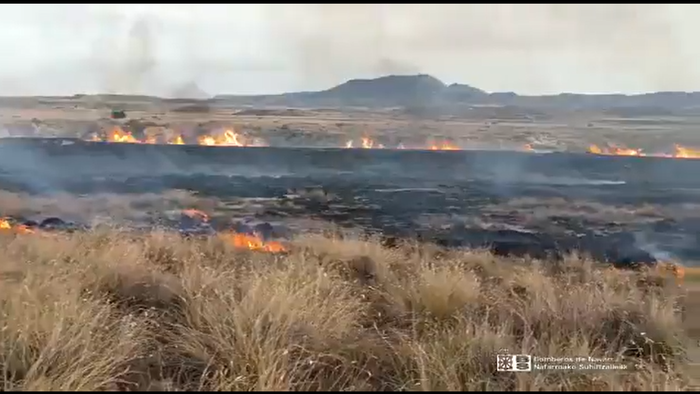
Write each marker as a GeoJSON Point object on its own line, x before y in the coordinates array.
{"type": "Point", "coordinates": [680, 152]}
{"type": "Point", "coordinates": [111, 310]}
{"type": "Point", "coordinates": [432, 144]}
{"type": "Point", "coordinates": [230, 137]}
{"type": "Point", "coordinates": [226, 137]}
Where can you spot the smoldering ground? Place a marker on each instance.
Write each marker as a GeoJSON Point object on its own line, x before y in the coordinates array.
{"type": "Point", "coordinates": [438, 196]}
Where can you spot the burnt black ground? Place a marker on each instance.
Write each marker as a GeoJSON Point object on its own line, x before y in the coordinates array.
{"type": "Point", "coordinates": [390, 192]}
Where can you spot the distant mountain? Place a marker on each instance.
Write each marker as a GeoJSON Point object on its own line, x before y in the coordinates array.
{"type": "Point", "coordinates": [427, 91]}
{"type": "Point", "coordinates": [392, 88]}
{"type": "Point", "coordinates": [420, 95]}
{"type": "Point", "coordinates": [459, 92]}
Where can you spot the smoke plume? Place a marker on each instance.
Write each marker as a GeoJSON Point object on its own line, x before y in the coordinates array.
{"type": "Point", "coordinates": [529, 49]}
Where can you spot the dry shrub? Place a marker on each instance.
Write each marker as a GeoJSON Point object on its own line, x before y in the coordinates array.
{"type": "Point", "coordinates": [113, 310]}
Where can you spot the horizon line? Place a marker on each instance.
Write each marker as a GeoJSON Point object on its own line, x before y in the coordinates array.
{"type": "Point", "coordinates": [210, 97]}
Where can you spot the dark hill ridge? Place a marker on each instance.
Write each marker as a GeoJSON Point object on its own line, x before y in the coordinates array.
{"type": "Point", "coordinates": [423, 89]}
{"type": "Point", "coordinates": [392, 87]}
{"type": "Point", "coordinates": [421, 93]}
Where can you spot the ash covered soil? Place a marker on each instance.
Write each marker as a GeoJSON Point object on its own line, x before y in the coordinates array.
{"type": "Point", "coordinates": [619, 209]}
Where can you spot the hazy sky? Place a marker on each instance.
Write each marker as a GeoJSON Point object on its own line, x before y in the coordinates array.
{"type": "Point", "coordinates": [262, 48]}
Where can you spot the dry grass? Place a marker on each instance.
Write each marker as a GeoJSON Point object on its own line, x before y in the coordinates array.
{"type": "Point", "coordinates": [110, 310]}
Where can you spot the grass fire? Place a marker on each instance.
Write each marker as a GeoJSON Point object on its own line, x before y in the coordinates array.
{"type": "Point", "coordinates": [389, 234]}
{"type": "Point", "coordinates": [230, 137]}
{"type": "Point", "coordinates": [680, 152]}
{"type": "Point", "coordinates": [226, 137]}
{"type": "Point", "coordinates": [253, 241]}
{"type": "Point", "coordinates": [312, 312]}
{"type": "Point", "coordinates": [6, 225]}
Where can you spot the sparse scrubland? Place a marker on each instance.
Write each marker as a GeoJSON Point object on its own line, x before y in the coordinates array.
{"type": "Point", "coordinates": [112, 310]}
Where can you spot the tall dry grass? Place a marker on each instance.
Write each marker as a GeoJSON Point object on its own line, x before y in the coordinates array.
{"type": "Point", "coordinates": [112, 311]}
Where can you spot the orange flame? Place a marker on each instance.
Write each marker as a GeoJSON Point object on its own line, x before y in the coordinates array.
{"type": "Point", "coordinates": [231, 138]}
{"type": "Point", "coordinates": [239, 240]}
{"type": "Point", "coordinates": [365, 143]}
{"type": "Point", "coordinates": [227, 138]}
{"type": "Point", "coordinates": [666, 267]}
{"type": "Point", "coordinates": [615, 151]}
{"type": "Point", "coordinates": [196, 214]}
{"type": "Point", "coordinates": [445, 145]}
{"type": "Point", "coordinates": [22, 229]}
{"type": "Point", "coordinates": [686, 153]}
{"type": "Point", "coordinates": [177, 141]}
{"type": "Point", "coordinates": [253, 242]}
{"type": "Point", "coordinates": [118, 135]}
{"type": "Point", "coordinates": [595, 150]}
{"type": "Point", "coordinates": [369, 143]}
{"type": "Point", "coordinates": [207, 140]}
{"type": "Point", "coordinates": [5, 225]}
{"type": "Point", "coordinates": [681, 152]}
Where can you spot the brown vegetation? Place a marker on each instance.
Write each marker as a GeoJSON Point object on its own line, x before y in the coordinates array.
{"type": "Point", "coordinates": [113, 310]}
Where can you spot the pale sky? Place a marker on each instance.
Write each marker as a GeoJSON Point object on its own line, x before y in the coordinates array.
{"type": "Point", "coordinates": [62, 49]}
